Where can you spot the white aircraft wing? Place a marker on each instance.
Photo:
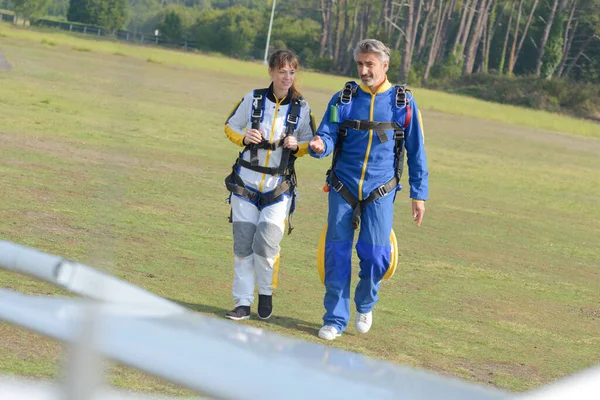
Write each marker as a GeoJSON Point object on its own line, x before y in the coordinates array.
{"type": "Point", "coordinates": [220, 358]}
{"type": "Point", "coordinates": [232, 361]}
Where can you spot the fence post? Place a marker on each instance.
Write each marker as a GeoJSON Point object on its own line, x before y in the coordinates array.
{"type": "Point", "coordinates": [99, 31]}
{"type": "Point", "coordinates": [185, 45]}
{"type": "Point", "coordinates": [127, 37]}
{"type": "Point", "coordinates": [84, 29]}
{"type": "Point", "coordinates": [70, 27]}
{"type": "Point", "coordinates": [142, 38]}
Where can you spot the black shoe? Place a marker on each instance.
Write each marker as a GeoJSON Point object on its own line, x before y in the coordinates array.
{"type": "Point", "coordinates": [265, 306]}
{"type": "Point", "coordinates": [240, 312]}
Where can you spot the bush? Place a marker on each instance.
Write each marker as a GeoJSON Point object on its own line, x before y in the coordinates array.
{"type": "Point", "coordinates": [556, 95]}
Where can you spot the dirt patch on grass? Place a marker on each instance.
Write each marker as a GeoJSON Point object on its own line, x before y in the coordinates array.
{"type": "Point", "coordinates": [4, 64]}
{"type": "Point", "coordinates": [65, 150]}
{"type": "Point", "coordinates": [587, 312]}
{"type": "Point", "coordinates": [75, 152]}
{"type": "Point", "coordinates": [487, 372]}
{"type": "Point", "coordinates": [27, 345]}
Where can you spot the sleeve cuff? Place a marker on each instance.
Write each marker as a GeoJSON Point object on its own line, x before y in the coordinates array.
{"type": "Point", "coordinates": [302, 149]}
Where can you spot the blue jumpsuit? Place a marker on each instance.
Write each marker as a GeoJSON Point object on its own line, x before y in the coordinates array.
{"type": "Point", "coordinates": [364, 164]}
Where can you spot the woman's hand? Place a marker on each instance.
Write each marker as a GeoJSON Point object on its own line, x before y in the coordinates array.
{"type": "Point", "coordinates": [253, 136]}
{"type": "Point", "coordinates": [291, 143]}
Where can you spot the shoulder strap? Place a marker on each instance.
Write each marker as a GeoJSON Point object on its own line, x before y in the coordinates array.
{"type": "Point", "coordinates": [256, 117]}
{"type": "Point", "coordinates": [402, 101]}
{"type": "Point", "coordinates": [258, 107]}
{"type": "Point", "coordinates": [293, 115]}
{"type": "Point", "coordinates": [347, 94]}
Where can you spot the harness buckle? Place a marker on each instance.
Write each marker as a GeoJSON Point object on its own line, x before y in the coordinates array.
{"type": "Point", "coordinates": [292, 119]}
{"type": "Point", "coordinates": [257, 113]}
{"type": "Point", "coordinates": [381, 191]}
{"type": "Point", "coordinates": [338, 186]}
{"type": "Point", "coordinates": [253, 196]}
{"type": "Point", "coordinates": [400, 97]}
{"type": "Point", "coordinates": [398, 134]}
{"type": "Point", "coordinates": [346, 96]}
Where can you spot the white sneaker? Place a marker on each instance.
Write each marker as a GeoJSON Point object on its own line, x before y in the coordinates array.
{"type": "Point", "coordinates": [328, 333]}
{"type": "Point", "coordinates": [364, 322]}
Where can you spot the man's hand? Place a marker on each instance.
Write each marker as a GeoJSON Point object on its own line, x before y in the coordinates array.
{"type": "Point", "coordinates": [291, 143]}
{"type": "Point", "coordinates": [253, 136]}
{"type": "Point", "coordinates": [317, 145]}
{"type": "Point", "coordinates": [418, 209]}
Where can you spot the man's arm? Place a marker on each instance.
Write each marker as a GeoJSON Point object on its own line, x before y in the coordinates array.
{"type": "Point", "coordinates": [418, 175]}
{"type": "Point", "coordinates": [414, 141]}
{"type": "Point", "coordinates": [327, 133]}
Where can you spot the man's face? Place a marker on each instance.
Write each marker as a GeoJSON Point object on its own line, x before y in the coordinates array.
{"type": "Point", "coordinates": [371, 70]}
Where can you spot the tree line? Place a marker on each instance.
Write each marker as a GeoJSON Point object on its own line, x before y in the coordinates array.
{"type": "Point", "coordinates": [438, 43]}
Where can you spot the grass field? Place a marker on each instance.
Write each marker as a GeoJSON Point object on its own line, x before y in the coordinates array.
{"type": "Point", "coordinates": [115, 156]}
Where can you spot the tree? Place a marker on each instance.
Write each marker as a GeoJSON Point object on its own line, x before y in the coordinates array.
{"type": "Point", "coordinates": [514, 54]}
{"type": "Point", "coordinates": [505, 43]}
{"type": "Point", "coordinates": [78, 11]}
{"type": "Point", "coordinates": [474, 40]}
{"type": "Point", "coordinates": [108, 14]}
{"type": "Point", "coordinates": [557, 7]}
{"type": "Point", "coordinates": [29, 10]}
{"type": "Point", "coordinates": [171, 26]}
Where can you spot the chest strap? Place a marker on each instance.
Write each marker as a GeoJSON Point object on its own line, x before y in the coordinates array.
{"type": "Point", "coordinates": [359, 206]}
{"type": "Point", "coordinates": [291, 123]}
{"type": "Point", "coordinates": [378, 127]}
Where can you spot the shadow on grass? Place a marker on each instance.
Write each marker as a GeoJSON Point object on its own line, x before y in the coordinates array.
{"type": "Point", "coordinates": [283, 321]}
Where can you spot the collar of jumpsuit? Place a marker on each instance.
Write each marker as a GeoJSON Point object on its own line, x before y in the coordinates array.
{"type": "Point", "coordinates": [282, 102]}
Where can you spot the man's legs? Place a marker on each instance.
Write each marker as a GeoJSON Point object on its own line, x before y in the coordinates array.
{"type": "Point", "coordinates": [373, 249]}
{"type": "Point", "coordinates": [338, 263]}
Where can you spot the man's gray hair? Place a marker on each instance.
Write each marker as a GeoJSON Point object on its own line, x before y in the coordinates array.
{"type": "Point", "coordinates": [372, 46]}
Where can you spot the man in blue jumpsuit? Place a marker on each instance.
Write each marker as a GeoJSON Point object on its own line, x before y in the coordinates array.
{"type": "Point", "coordinates": [367, 120]}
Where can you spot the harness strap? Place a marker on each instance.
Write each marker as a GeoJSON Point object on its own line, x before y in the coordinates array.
{"type": "Point", "coordinates": [402, 101]}
{"type": "Point", "coordinates": [291, 123]}
{"type": "Point", "coordinates": [281, 170]}
{"type": "Point", "coordinates": [363, 125]}
{"type": "Point", "coordinates": [264, 145]}
{"type": "Point", "coordinates": [234, 182]}
{"type": "Point", "coordinates": [358, 206]}
{"type": "Point", "coordinates": [258, 112]}
{"type": "Point", "coordinates": [236, 186]}
{"type": "Point", "coordinates": [378, 127]}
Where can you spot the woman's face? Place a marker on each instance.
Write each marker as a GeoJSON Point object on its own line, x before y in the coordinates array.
{"type": "Point", "coordinates": [283, 77]}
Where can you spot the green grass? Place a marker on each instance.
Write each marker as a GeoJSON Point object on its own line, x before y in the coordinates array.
{"type": "Point", "coordinates": [118, 162]}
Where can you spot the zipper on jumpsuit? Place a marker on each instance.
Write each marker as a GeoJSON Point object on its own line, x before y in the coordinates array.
{"type": "Point", "coordinates": [367, 153]}
{"type": "Point", "coordinates": [277, 104]}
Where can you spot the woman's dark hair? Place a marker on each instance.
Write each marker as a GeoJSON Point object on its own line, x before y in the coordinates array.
{"type": "Point", "coordinates": [280, 59]}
